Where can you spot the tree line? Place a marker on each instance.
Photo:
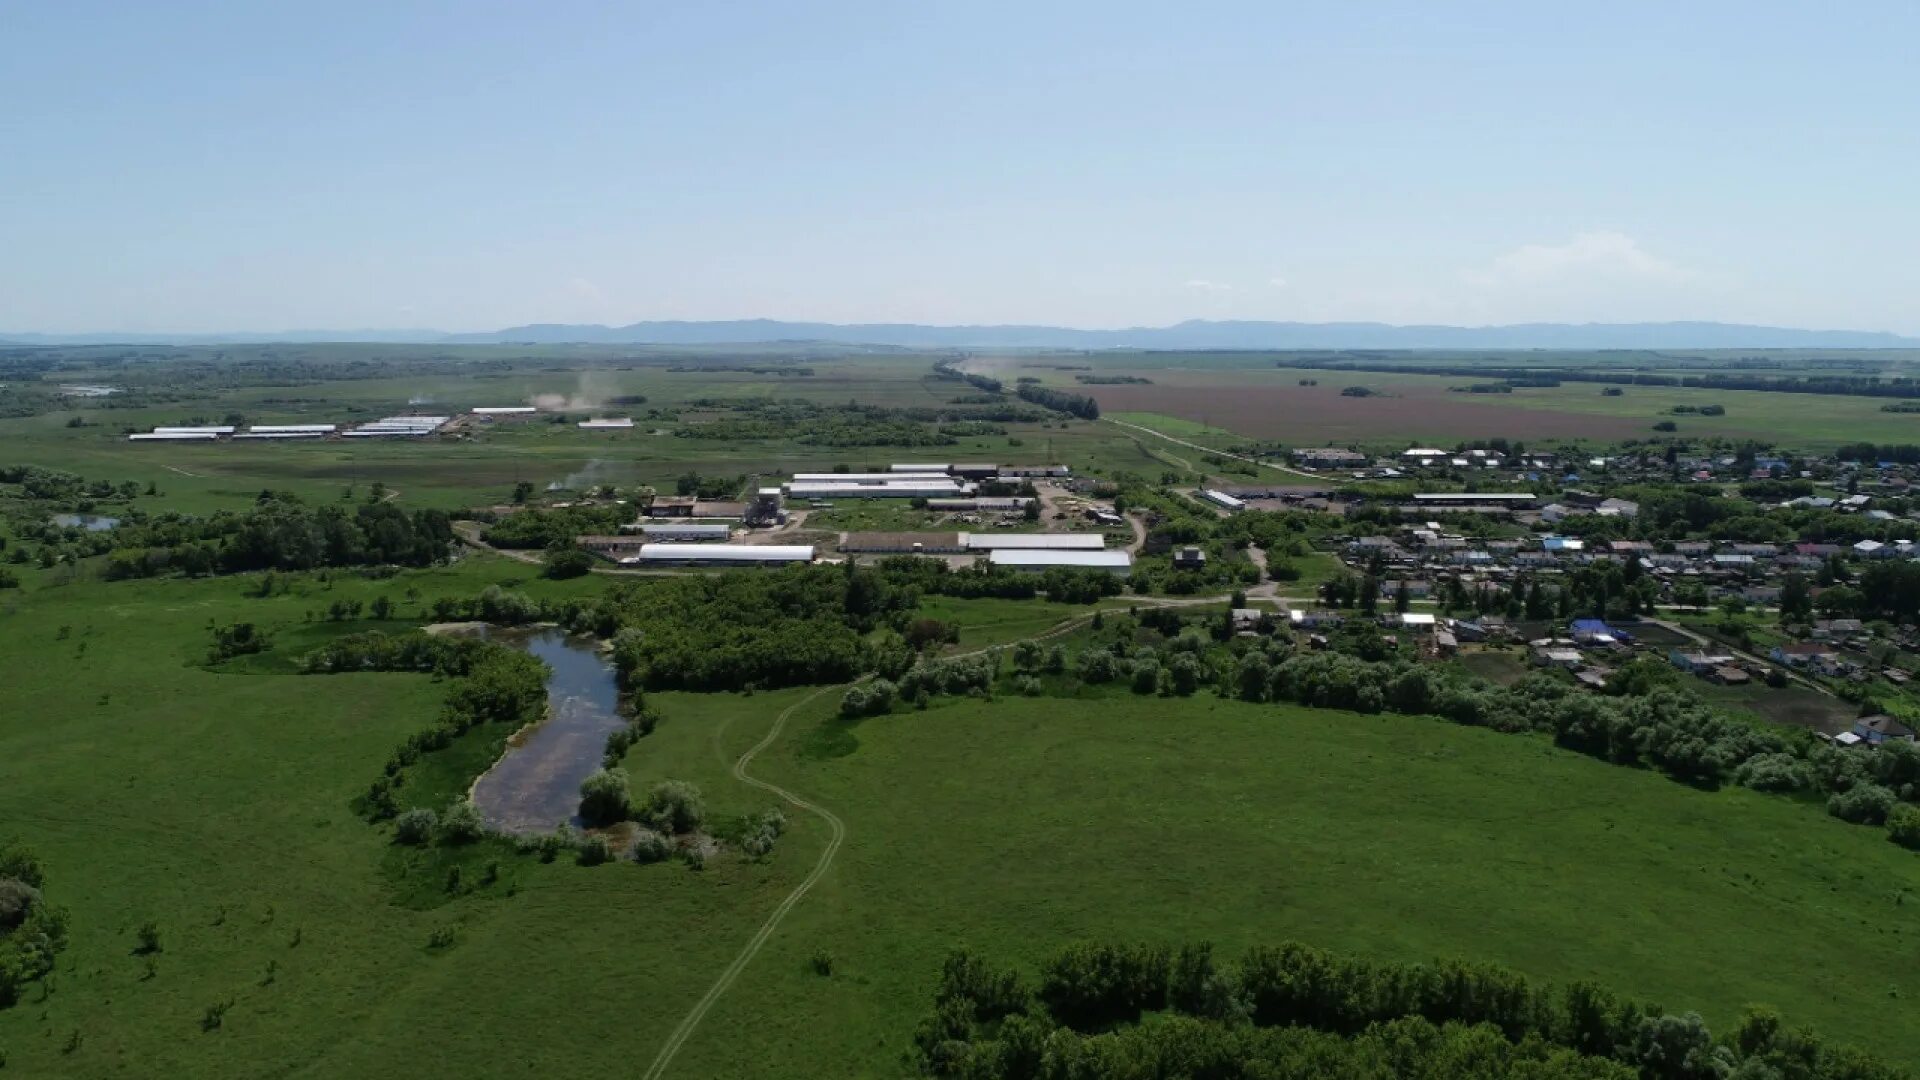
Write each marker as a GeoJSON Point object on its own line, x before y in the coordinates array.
{"type": "Point", "coordinates": [279, 533]}
{"type": "Point", "coordinates": [1080, 405]}
{"type": "Point", "coordinates": [1858, 385]}
{"type": "Point", "coordinates": [492, 685]}
{"type": "Point", "coordinates": [1292, 1010]}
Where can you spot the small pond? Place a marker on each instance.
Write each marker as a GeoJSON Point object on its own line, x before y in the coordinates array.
{"type": "Point", "coordinates": [536, 784]}
{"type": "Point", "coordinates": [89, 522]}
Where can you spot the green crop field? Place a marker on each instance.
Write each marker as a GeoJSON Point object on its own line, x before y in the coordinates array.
{"type": "Point", "coordinates": [216, 804]}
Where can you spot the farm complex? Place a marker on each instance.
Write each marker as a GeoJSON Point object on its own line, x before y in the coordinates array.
{"type": "Point", "coordinates": [667, 649]}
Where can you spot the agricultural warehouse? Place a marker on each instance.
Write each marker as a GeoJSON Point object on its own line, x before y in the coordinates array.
{"type": "Point", "coordinates": [902, 489]}
{"type": "Point", "coordinates": [697, 531]}
{"type": "Point", "coordinates": [617, 548]}
{"type": "Point", "coordinates": [1034, 541]}
{"type": "Point", "coordinates": [1449, 498]}
{"type": "Point", "coordinates": [1113, 562]}
{"type": "Point", "coordinates": [401, 427]}
{"type": "Point", "coordinates": [723, 554]}
{"type": "Point", "coordinates": [871, 478]}
{"type": "Point", "coordinates": [1222, 499]}
{"type": "Point", "coordinates": [1008, 503]}
{"type": "Point", "coordinates": [173, 436]}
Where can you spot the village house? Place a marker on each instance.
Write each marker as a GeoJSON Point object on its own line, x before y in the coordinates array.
{"type": "Point", "coordinates": [1874, 730]}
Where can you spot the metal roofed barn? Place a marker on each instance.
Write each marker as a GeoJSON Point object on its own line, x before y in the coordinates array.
{"type": "Point", "coordinates": [725, 554]}
{"type": "Point", "coordinates": [1113, 562]}
{"type": "Point", "coordinates": [1034, 541]}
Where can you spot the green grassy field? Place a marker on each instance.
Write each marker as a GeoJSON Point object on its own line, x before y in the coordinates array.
{"type": "Point", "coordinates": [216, 804]}
{"type": "Point", "coordinates": [483, 464]}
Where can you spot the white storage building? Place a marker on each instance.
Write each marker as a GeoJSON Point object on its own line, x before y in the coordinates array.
{"type": "Point", "coordinates": [870, 477]}
{"type": "Point", "coordinates": [607, 423]}
{"type": "Point", "coordinates": [698, 531]}
{"type": "Point", "coordinates": [1035, 541]}
{"type": "Point", "coordinates": [399, 427]}
{"type": "Point", "coordinates": [1113, 562]}
{"type": "Point", "coordinates": [905, 489]}
{"type": "Point", "coordinates": [724, 554]}
{"type": "Point", "coordinates": [173, 436]}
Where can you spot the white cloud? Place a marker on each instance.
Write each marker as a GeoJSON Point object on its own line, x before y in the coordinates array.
{"type": "Point", "coordinates": [1588, 256]}
{"type": "Point", "coordinates": [586, 290]}
{"type": "Point", "coordinates": [1277, 282]}
{"type": "Point", "coordinates": [1205, 286]}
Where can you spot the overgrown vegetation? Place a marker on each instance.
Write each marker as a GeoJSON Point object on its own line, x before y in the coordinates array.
{"type": "Point", "coordinates": [1118, 1010]}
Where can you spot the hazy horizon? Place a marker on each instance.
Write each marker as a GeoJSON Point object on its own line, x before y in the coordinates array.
{"type": "Point", "coordinates": [226, 168]}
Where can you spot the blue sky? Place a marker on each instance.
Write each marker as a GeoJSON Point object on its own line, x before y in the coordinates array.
{"type": "Point", "coordinates": [248, 166]}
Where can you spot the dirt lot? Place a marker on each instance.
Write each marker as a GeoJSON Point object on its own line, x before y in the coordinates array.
{"type": "Point", "coordinates": [1310, 415]}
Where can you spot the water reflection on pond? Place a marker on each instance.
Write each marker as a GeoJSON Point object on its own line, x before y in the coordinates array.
{"type": "Point", "coordinates": [536, 785]}
{"type": "Point", "coordinates": [89, 522]}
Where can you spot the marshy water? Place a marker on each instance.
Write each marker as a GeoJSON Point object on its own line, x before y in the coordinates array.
{"type": "Point", "coordinates": [535, 786]}
{"type": "Point", "coordinates": [89, 522]}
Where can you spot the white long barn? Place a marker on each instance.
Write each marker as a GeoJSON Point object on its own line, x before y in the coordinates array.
{"type": "Point", "coordinates": [872, 478]}
{"type": "Point", "coordinates": [722, 554]}
{"type": "Point", "coordinates": [944, 488]}
{"type": "Point", "coordinates": [1035, 541]}
{"type": "Point", "coordinates": [1037, 559]}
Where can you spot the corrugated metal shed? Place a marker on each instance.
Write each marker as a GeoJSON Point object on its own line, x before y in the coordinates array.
{"type": "Point", "coordinates": [1035, 541]}
{"type": "Point", "coordinates": [726, 553]}
{"type": "Point", "coordinates": [1117, 562]}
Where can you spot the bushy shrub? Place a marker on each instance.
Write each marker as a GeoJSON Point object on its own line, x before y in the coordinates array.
{"type": "Point", "coordinates": [16, 899]}
{"type": "Point", "coordinates": [1095, 666]}
{"type": "Point", "coordinates": [674, 806]}
{"type": "Point", "coordinates": [605, 797]}
{"type": "Point", "coordinates": [1774, 772]}
{"type": "Point", "coordinates": [762, 831]}
{"type": "Point", "coordinates": [869, 698]}
{"type": "Point", "coordinates": [461, 823]}
{"type": "Point", "coordinates": [567, 563]}
{"type": "Point", "coordinates": [1089, 987]}
{"type": "Point", "coordinates": [594, 850]}
{"type": "Point", "coordinates": [415, 826]}
{"type": "Point", "coordinates": [1903, 825]}
{"type": "Point", "coordinates": [651, 847]}
{"type": "Point", "coordinates": [1862, 804]}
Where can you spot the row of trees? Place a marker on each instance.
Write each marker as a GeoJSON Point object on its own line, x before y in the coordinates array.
{"type": "Point", "coordinates": [1850, 385]}
{"type": "Point", "coordinates": [1080, 405]}
{"type": "Point", "coordinates": [918, 684]}
{"type": "Point", "coordinates": [1293, 1010]}
{"type": "Point", "coordinates": [1662, 728]}
{"type": "Point", "coordinates": [279, 533]}
{"type": "Point", "coordinates": [493, 685]}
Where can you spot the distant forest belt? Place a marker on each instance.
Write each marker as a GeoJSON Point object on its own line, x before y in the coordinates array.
{"type": "Point", "coordinates": [1308, 415]}
{"type": "Point", "coordinates": [1849, 385]}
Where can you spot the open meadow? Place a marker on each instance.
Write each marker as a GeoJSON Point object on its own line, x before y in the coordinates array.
{"type": "Point", "coordinates": [230, 803]}
{"type": "Point", "coordinates": [225, 818]}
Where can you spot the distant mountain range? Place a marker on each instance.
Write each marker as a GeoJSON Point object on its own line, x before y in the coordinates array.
{"type": "Point", "coordinates": [1193, 334]}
